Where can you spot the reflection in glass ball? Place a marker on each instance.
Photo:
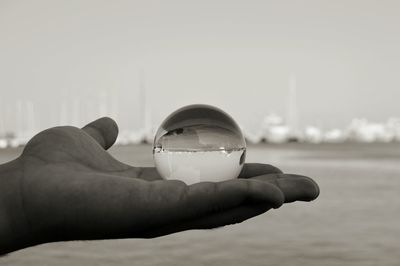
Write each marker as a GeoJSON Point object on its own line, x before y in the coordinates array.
{"type": "Point", "coordinates": [199, 143]}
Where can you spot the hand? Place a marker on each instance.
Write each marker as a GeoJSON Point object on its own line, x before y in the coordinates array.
{"type": "Point", "coordinates": [66, 186]}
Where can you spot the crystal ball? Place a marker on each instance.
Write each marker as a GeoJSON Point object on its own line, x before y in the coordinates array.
{"type": "Point", "coordinates": [199, 143]}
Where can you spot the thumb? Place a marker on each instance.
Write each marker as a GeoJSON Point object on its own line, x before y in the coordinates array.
{"type": "Point", "coordinates": [104, 130]}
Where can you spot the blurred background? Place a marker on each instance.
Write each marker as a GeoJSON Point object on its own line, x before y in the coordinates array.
{"type": "Point", "coordinates": [313, 84]}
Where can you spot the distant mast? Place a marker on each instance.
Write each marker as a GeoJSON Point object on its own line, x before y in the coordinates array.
{"type": "Point", "coordinates": [2, 123]}
{"type": "Point", "coordinates": [292, 111]}
{"type": "Point", "coordinates": [145, 111]}
{"type": "Point", "coordinates": [31, 123]}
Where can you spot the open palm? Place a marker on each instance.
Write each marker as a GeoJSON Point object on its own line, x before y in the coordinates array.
{"type": "Point", "coordinates": [68, 187]}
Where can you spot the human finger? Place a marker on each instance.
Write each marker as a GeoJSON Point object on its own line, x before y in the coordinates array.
{"type": "Point", "coordinates": [294, 187]}
{"type": "Point", "coordinates": [104, 130]}
{"type": "Point", "coordinates": [256, 169]}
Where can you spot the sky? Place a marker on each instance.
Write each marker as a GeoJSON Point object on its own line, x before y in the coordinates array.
{"type": "Point", "coordinates": [236, 55]}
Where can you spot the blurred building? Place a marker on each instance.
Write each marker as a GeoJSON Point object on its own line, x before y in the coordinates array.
{"type": "Point", "coordinates": [361, 130]}
{"type": "Point", "coordinates": [274, 130]}
{"type": "Point", "coordinates": [312, 135]}
{"type": "Point", "coordinates": [334, 136]}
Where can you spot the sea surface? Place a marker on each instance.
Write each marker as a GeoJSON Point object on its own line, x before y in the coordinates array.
{"type": "Point", "coordinates": [355, 220]}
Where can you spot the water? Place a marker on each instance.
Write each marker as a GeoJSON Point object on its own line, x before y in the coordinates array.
{"type": "Point", "coordinates": [196, 166]}
{"type": "Point", "coordinates": [354, 222]}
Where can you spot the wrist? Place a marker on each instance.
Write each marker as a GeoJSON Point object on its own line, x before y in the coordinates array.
{"type": "Point", "coordinates": [15, 231]}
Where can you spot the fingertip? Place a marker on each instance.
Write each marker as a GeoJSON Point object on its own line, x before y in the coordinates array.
{"type": "Point", "coordinates": [104, 130]}
{"type": "Point", "coordinates": [314, 190]}
{"type": "Point", "coordinates": [298, 187]}
{"type": "Point", "coordinates": [106, 123]}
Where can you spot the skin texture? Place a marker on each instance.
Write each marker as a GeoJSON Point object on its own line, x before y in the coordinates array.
{"type": "Point", "coordinates": [66, 186]}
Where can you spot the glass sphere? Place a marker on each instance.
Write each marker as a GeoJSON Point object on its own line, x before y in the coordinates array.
{"type": "Point", "coordinates": [199, 143]}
